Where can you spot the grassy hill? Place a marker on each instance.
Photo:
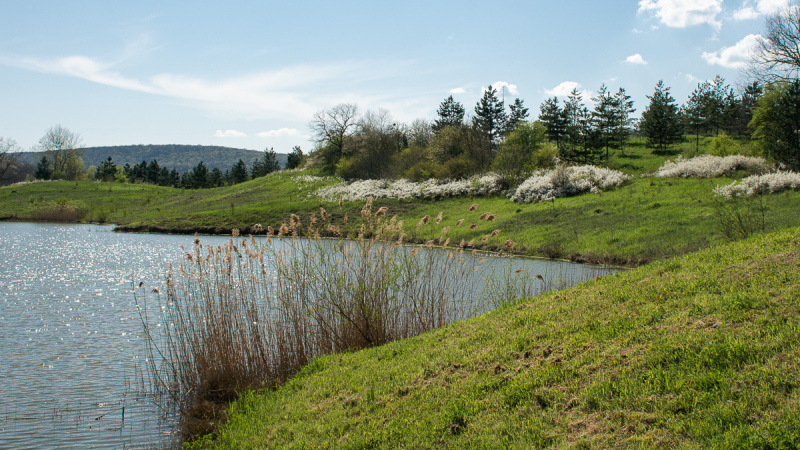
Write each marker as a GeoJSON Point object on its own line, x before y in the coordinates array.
{"type": "Point", "coordinates": [181, 157]}
{"type": "Point", "coordinates": [695, 352]}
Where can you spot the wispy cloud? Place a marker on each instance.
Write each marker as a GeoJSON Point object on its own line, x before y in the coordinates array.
{"type": "Point", "coordinates": [229, 133]}
{"type": "Point", "coordinates": [684, 13]}
{"type": "Point", "coordinates": [275, 94]}
{"type": "Point", "coordinates": [754, 9]}
{"type": "Point", "coordinates": [735, 57]}
{"type": "Point", "coordinates": [458, 90]}
{"type": "Point", "coordinates": [279, 132]}
{"type": "Point", "coordinates": [636, 59]}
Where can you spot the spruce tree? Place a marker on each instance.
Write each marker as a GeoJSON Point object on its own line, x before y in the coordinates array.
{"type": "Point", "coordinates": [451, 113]}
{"type": "Point", "coordinates": [43, 170]}
{"type": "Point", "coordinates": [294, 159]}
{"type": "Point", "coordinates": [604, 116]}
{"type": "Point", "coordinates": [238, 173]}
{"type": "Point", "coordinates": [661, 120]}
{"type": "Point", "coordinates": [694, 111]}
{"type": "Point", "coordinates": [490, 117]}
{"type": "Point", "coordinates": [519, 113]}
{"type": "Point", "coordinates": [551, 114]}
{"type": "Point", "coordinates": [623, 107]}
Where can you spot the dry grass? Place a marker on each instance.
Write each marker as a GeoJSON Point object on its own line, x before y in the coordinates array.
{"type": "Point", "coordinates": [249, 314]}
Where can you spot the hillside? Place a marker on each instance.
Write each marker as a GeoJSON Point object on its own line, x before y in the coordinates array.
{"type": "Point", "coordinates": [696, 352]}
{"type": "Point", "coordinates": [181, 157]}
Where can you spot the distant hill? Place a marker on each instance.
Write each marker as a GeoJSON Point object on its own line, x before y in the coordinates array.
{"type": "Point", "coordinates": [181, 157]}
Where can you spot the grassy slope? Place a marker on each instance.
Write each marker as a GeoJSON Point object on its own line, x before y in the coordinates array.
{"type": "Point", "coordinates": [648, 218]}
{"type": "Point", "coordinates": [699, 351]}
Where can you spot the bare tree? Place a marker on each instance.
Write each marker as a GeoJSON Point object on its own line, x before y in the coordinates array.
{"type": "Point", "coordinates": [9, 156]}
{"type": "Point", "coordinates": [62, 147]}
{"type": "Point", "coordinates": [330, 127]}
{"type": "Point", "coordinates": [777, 54]}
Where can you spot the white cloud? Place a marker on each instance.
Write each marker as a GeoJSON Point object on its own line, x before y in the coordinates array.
{"type": "Point", "coordinates": [636, 30]}
{"type": "Point", "coordinates": [229, 133]}
{"type": "Point", "coordinates": [691, 78]}
{"type": "Point", "coordinates": [684, 13]}
{"type": "Point", "coordinates": [279, 132]}
{"type": "Point", "coordinates": [563, 89]}
{"type": "Point", "coordinates": [747, 11]}
{"type": "Point", "coordinates": [510, 88]}
{"type": "Point", "coordinates": [457, 90]}
{"type": "Point", "coordinates": [735, 57]}
{"type": "Point", "coordinates": [636, 59]}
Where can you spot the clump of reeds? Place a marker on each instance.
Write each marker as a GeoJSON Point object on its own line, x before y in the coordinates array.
{"type": "Point", "coordinates": [61, 210]}
{"type": "Point", "coordinates": [250, 313]}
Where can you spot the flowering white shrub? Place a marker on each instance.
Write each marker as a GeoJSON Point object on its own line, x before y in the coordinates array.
{"type": "Point", "coordinates": [566, 181]}
{"type": "Point", "coordinates": [767, 183]}
{"type": "Point", "coordinates": [362, 190]}
{"type": "Point", "coordinates": [709, 166]}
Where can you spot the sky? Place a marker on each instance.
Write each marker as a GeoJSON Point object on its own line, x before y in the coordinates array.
{"type": "Point", "coordinates": [251, 74]}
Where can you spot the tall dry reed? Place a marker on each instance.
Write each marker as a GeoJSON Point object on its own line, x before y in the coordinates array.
{"type": "Point", "coordinates": [250, 313]}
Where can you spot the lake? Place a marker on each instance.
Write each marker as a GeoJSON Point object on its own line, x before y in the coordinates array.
{"type": "Point", "coordinates": [71, 340]}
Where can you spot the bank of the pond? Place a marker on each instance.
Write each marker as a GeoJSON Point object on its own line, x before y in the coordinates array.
{"type": "Point", "coordinates": [644, 220]}
{"type": "Point", "coordinates": [699, 351]}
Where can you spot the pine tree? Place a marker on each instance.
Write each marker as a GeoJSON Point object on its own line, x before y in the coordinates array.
{"type": "Point", "coordinates": [490, 117]}
{"type": "Point", "coordinates": [106, 171]}
{"type": "Point", "coordinates": [694, 111]}
{"type": "Point", "coordinates": [623, 108]}
{"type": "Point", "coordinates": [294, 159]}
{"type": "Point", "coordinates": [199, 176]}
{"type": "Point", "coordinates": [604, 116]}
{"type": "Point", "coordinates": [451, 113]}
{"type": "Point", "coordinates": [43, 170]}
{"type": "Point", "coordinates": [661, 120]}
{"type": "Point", "coordinates": [238, 173]}
{"type": "Point", "coordinates": [553, 118]}
{"type": "Point", "coordinates": [519, 113]}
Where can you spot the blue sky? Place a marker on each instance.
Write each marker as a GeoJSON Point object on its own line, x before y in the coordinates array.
{"type": "Point", "coordinates": [251, 74]}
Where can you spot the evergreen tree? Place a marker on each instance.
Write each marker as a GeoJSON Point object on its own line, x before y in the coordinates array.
{"type": "Point", "coordinates": [175, 178]}
{"type": "Point", "coordinates": [199, 176]}
{"type": "Point", "coordinates": [153, 170]}
{"type": "Point", "coordinates": [451, 113]}
{"type": "Point", "coordinates": [776, 122]}
{"type": "Point", "coordinates": [216, 179]}
{"type": "Point", "coordinates": [552, 116]}
{"type": "Point", "coordinates": [519, 113]}
{"type": "Point", "coordinates": [623, 108]}
{"type": "Point", "coordinates": [661, 119]}
{"type": "Point", "coordinates": [490, 117]}
{"type": "Point", "coordinates": [271, 163]}
{"type": "Point", "coordinates": [694, 111]}
{"type": "Point", "coordinates": [238, 173]}
{"type": "Point", "coordinates": [43, 170]}
{"type": "Point", "coordinates": [164, 177]}
{"type": "Point", "coordinates": [295, 158]}
{"type": "Point", "coordinates": [106, 171]}
{"type": "Point", "coordinates": [604, 116]}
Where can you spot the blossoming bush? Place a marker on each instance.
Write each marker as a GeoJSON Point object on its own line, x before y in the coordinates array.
{"type": "Point", "coordinates": [565, 181]}
{"type": "Point", "coordinates": [709, 166]}
{"type": "Point", "coordinates": [760, 184]}
{"type": "Point", "coordinates": [362, 190]}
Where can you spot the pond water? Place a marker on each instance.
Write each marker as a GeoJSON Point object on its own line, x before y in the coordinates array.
{"type": "Point", "coordinates": [71, 341]}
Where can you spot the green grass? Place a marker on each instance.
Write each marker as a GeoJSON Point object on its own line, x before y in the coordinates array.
{"type": "Point", "coordinates": [699, 352]}
{"type": "Point", "coordinates": [645, 219]}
